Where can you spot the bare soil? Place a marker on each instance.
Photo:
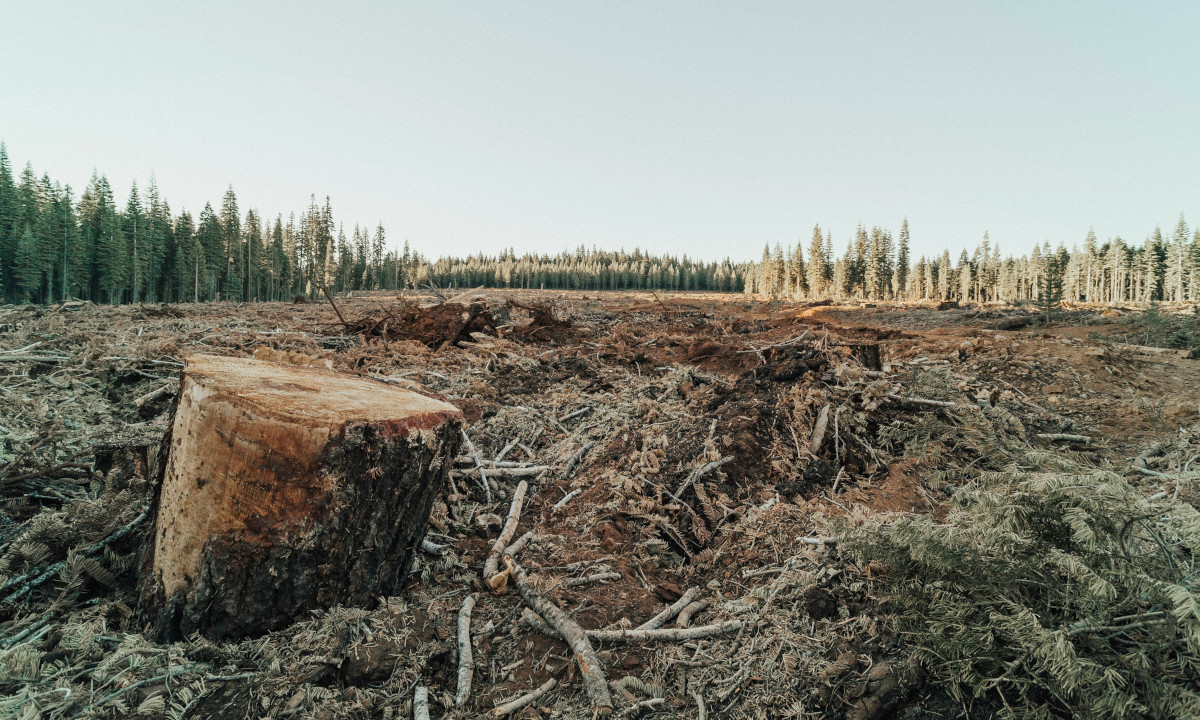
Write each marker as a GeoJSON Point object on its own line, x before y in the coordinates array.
{"type": "Point", "coordinates": [671, 382]}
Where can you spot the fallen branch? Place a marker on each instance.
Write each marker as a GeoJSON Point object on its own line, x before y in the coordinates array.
{"type": "Point", "coordinates": [431, 548]}
{"type": "Point", "coordinates": [1065, 437]}
{"type": "Point", "coordinates": [421, 703]}
{"type": "Point", "coordinates": [578, 413]}
{"type": "Point", "coordinates": [924, 401]}
{"type": "Point", "coordinates": [538, 623]}
{"type": "Point", "coordinates": [466, 661]}
{"type": "Point", "coordinates": [491, 568]}
{"type": "Point", "coordinates": [575, 460]}
{"type": "Point", "coordinates": [566, 499]}
{"type": "Point", "coordinates": [500, 472]}
{"type": "Point", "coordinates": [154, 395]}
{"type": "Point", "coordinates": [487, 491]}
{"type": "Point", "coordinates": [526, 699]}
{"type": "Point", "coordinates": [588, 579]}
{"type": "Point", "coordinates": [335, 307]}
{"type": "Point", "coordinates": [40, 577]}
{"type": "Point", "coordinates": [686, 614]}
{"type": "Point", "coordinates": [585, 656]}
{"type": "Point", "coordinates": [636, 708]}
{"type": "Point", "coordinates": [690, 633]}
{"type": "Point", "coordinates": [699, 473]}
{"type": "Point", "coordinates": [520, 544]}
{"type": "Point", "coordinates": [670, 612]}
{"type": "Point", "coordinates": [827, 540]}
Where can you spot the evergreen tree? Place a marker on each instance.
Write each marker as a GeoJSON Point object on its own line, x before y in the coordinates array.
{"type": "Point", "coordinates": [900, 273]}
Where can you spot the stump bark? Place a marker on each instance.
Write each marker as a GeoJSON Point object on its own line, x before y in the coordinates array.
{"type": "Point", "coordinates": [285, 489]}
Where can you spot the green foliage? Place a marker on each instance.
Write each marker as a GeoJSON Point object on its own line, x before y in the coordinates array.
{"type": "Point", "coordinates": [1061, 591]}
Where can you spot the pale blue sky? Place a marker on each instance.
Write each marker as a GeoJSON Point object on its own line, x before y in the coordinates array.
{"type": "Point", "coordinates": [706, 128]}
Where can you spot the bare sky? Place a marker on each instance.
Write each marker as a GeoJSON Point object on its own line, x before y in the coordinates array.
{"type": "Point", "coordinates": [705, 128]}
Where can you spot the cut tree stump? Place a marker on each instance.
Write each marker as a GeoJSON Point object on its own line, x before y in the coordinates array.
{"type": "Point", "coordinates": [286, 489]}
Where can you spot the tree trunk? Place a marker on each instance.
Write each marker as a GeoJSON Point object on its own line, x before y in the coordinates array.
{"type": "Point", "coordinates": [285, 489]}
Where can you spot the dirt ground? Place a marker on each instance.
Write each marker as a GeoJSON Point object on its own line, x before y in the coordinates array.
{"type": "Point", "coordinates": [624, 396]}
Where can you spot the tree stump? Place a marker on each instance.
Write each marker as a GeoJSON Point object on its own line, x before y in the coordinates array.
{"type": "Point", "coordinates": [285, 489]}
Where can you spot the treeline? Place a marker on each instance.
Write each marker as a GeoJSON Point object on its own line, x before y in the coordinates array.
{"type": "Point", "coordinates": [876, 266]}
{"type": "Point", "coordinates": [590, 270]}
{"type": "Point", "coordinates": [54, 247]}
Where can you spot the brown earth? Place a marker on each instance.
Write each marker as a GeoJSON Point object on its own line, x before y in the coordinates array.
{"type": "Point", "coordinates": [672, 382]}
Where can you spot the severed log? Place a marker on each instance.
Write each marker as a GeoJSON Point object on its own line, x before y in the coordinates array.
{"type": "Point", "coordinates": [287, 489]}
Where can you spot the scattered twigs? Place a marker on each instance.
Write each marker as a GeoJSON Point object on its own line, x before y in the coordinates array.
{"type": "Point", "coordinates": [588, 579]}
{"type": "Point", "coordinates": [575, 460]}
{"type": "Point", "coordinates": [496, 580]}
{"type": "Point", "coordinates": [430, 286]}
{"type": "Point", "coordinates": [785, 343]}
{"type": "Point", "coordinates": [1065, 437]}
{"type": "Point", "coordinates": [924, 401]}
{"type": "Point", "coordinates": [466, 661]}
{"type": "Point", "coordinates": [700, 472]}
{"type": "Point", "coordinates": [520, 544]}
{"type": "Point", "coordinates": [487, 490]}
{"type": "Point", "coordinates": [671, 611]}
{"type": "Point", "coordinates": [154, 395]}
{"type": "Point", "coordinates": [585, 656]}
{"type": "Point", "coordinates": [638, 707]}
{"type": "Point", "coordinates": [686, 614]}
{"type": "Point", "coordinates": [530, 471]}
{"type": "Point", "coordinates": [34, 578]}
{"type": "Point", "coordinates": [421, 703]}
{"type": "Point", "coordinates": [689, 633]}
{"type": "Point", "coordinates": [528, 698]}
{"type": "Point", "coordinates": [826, 540]}
{"type": "Point", "coordinates": [578, 413]}
{"type": "Point", "coordinates": [566, 499]}
{"type": "Point", "coordinates": [538, 623]}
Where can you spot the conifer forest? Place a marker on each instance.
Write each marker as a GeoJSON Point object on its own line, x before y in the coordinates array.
{"type": "Point", "coordinates": [54, 247]}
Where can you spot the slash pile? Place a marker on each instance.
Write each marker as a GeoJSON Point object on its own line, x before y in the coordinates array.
{"type": "Point", "coordinates": [686, 511]}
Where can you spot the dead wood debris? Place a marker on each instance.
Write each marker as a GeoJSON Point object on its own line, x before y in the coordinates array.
{"type": "Point", "coordinates": [681, 480]}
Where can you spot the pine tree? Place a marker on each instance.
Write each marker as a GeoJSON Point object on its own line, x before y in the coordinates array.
{"type": "Point", "coordinates": [816, 265]}
{"type": "Point", "coordinates": [900, 274]}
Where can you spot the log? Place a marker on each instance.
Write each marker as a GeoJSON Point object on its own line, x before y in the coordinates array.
{"type": "Point", "coordinates": [287, 489]}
